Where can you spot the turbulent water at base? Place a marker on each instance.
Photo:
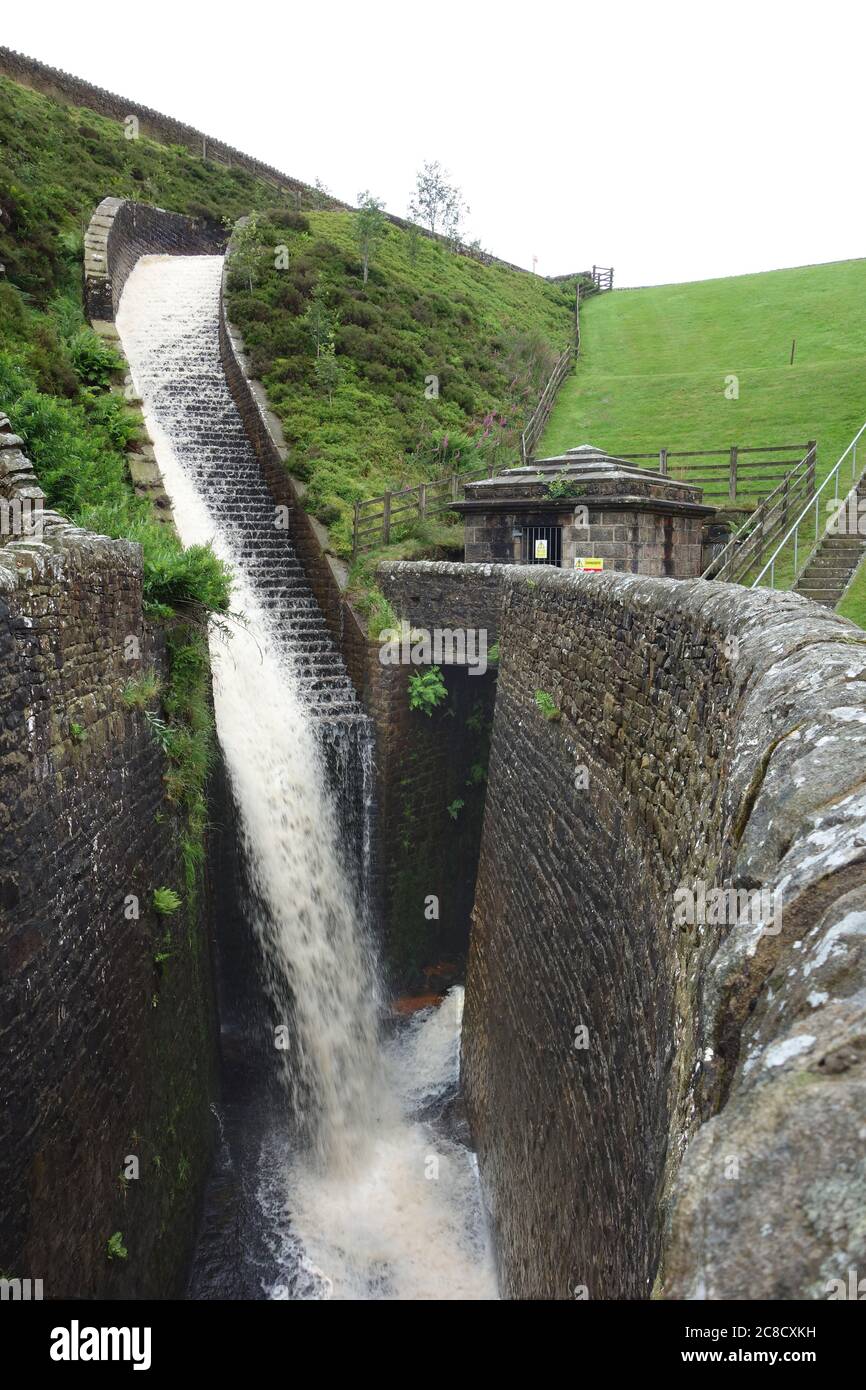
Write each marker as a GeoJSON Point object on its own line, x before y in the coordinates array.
{"type": "Point", "coordinates": [351, 1178]}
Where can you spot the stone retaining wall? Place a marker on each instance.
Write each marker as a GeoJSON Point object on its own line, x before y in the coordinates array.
{"type": "Point", "coordinates": [107, 1044]}
{"type": "Point", "coordinates": [121, 231]}
{"type": "Point", "coordinates": [660, 1104]}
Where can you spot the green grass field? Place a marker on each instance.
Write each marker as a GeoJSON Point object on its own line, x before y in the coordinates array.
{"type": "Point", "coordinates": [654, 364]}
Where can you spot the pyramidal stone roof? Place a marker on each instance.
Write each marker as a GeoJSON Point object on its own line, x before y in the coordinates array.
{"type": "Point", "coordinates": [584, 461]}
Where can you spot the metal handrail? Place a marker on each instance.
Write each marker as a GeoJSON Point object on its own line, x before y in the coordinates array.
{"type": "Point", "coordinates": [813, 502]}
{"type": "Point", "coordinates": [756, 519]}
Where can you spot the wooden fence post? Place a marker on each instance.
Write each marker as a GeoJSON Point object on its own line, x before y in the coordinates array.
{"type": "Point", "coordinates": [355, 532]}
{"type": "Point", "coordinates": [386, 519]}
{"type": "Point", "coordinates": [732, 480]}
{"type": "Point", "coordinates": [455, 486]}
{"type": "Point", "coordinates": [422, 500]}
{"type": "Point", "coordinates": [663, 461]}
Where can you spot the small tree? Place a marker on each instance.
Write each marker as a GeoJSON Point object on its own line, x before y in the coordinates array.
{"type": "Point", "coordinates": [370, 228]}
{"type": "Point", "coordinates": [320, 321]}
{"type": "Point", "coordinates": [328, 372]}
{"type": "Point", "coordinates": [246, 253]}
{"type": "Point", "coordinates": [437, 203]}
{"type": "Point", "coordinates": [322, 195]}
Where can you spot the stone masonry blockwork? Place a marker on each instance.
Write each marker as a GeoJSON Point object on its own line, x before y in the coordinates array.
{"type": "Point", "coordinates": [107, 1044]}
{"type": "Point", "coordinates": [706, 1142]}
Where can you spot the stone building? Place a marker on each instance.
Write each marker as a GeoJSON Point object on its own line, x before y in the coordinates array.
{"type": "Point", "coordinates": [586, 509]}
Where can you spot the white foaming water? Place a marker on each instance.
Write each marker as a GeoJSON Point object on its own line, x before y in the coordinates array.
{"type": "Point", "coordinates": [376, 1205]}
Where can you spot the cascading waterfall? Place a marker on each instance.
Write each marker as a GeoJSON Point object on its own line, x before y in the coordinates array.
{"type": "Point", "coordinates": [362, 1188]}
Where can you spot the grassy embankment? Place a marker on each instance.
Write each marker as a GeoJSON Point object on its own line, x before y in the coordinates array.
{"type": "Point", "coordinates": [437, 362]}
{"type": "Point", "coordinates": [62, 387]}
{"type": "Point", "coordinates": [655, 365]}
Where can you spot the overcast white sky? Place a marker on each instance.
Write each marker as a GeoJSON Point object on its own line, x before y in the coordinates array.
{"type": "Point", "coordinates": [672, 141]}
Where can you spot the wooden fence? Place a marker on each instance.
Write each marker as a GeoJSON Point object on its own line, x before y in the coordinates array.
{"type": "Point", "coordinates": [377, 517]}
{"type": "Point", "coordinates": [535, 425]}
{"type": "Point", "coordinates": [602, 277]}
{"type": "Point", "coordinates": [730, 481]}
{"type": "Point", "coordinates": [728, 476]}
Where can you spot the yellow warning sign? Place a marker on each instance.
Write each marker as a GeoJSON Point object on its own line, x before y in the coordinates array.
{"type": "Point", "coordinates": [541, 550]}
{"type": "Point", "coordinates": [587, 562]}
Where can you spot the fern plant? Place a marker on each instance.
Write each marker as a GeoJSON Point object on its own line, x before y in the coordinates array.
{"type": "Point", "coordinates": [427, 689]}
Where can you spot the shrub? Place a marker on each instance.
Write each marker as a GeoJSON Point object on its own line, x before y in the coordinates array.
{"type": "Point", "coordinates": [94, 360]}
{"type": "Point", "coordinates": [165, 901]}
{"type": "Point", "coordinates": [284, 217]}
{"type": "Point", "coordinates": [427, 690]}
{"type": "Point", "coordinates": [546, 704]}
{"type": "Point", "coordinates": [142, 690]}
{"type": "Point", "coordinates": [115, 1248]}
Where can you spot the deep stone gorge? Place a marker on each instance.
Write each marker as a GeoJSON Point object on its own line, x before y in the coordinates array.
{"type": "Point", "coordinates": [658, 1106]}
{"type": "Point", "coordinates": [707, 1140]}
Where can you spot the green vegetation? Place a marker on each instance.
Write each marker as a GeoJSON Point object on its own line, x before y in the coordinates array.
{"type": "Point", "coordinates": [421, 540]}
{"type": "Point", "coordinates": [428, 368]}
{"type": "Point", "coordinates": [455, 807]}
{"type": "Point", "coordinates": [656, 364]}
{"type": "Point", "coordinates": [142, 690]}
{"type": "Point", "coordinates": [547, 706]}
{"type": "Point", "coordinates": [187, 738]}
{"type": "Point", "coordinates": [853, 602]}
{"type": "Point", "coordinates": [562, 487]}
{"type": "Point", "coordinates": [427, 690]}
{"type": "Point", "coordinates": [115, 1248]}
{"type": "Point", "coordinates": [77, 732]}
{"type": "Point", "coordinates": [165, 901]}
{"type": "Point", "coordinates": [56, 164]}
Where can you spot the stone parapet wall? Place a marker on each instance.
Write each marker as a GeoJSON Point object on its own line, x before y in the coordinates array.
{"type": "Point", "coordinates": [107, 1044]}
{"type": "Point", "coordinates": [120, 231]}
{"type": "Point", "coordinates": [701, 1137]}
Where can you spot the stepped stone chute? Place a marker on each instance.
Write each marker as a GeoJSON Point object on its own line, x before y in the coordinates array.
{"type": "Point", "coordinates": [175, 353]}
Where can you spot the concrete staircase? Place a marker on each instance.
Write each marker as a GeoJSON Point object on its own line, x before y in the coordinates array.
{"type": "Point", "coordinates": [831, 567]}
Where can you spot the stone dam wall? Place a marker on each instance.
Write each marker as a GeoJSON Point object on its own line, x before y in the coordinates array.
{"type": "Point", "coordinates": [665, 1106]}
{"type": "Point", "coordinates": [107, 1039]}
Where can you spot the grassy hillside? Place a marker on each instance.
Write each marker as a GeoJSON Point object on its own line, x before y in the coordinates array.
{"type": "Point", "coordinates": [488, 335]}
{"type": "Point", "coordinates": [56, 164]}
{"type": "Point", "coordinates": [654, 362]}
